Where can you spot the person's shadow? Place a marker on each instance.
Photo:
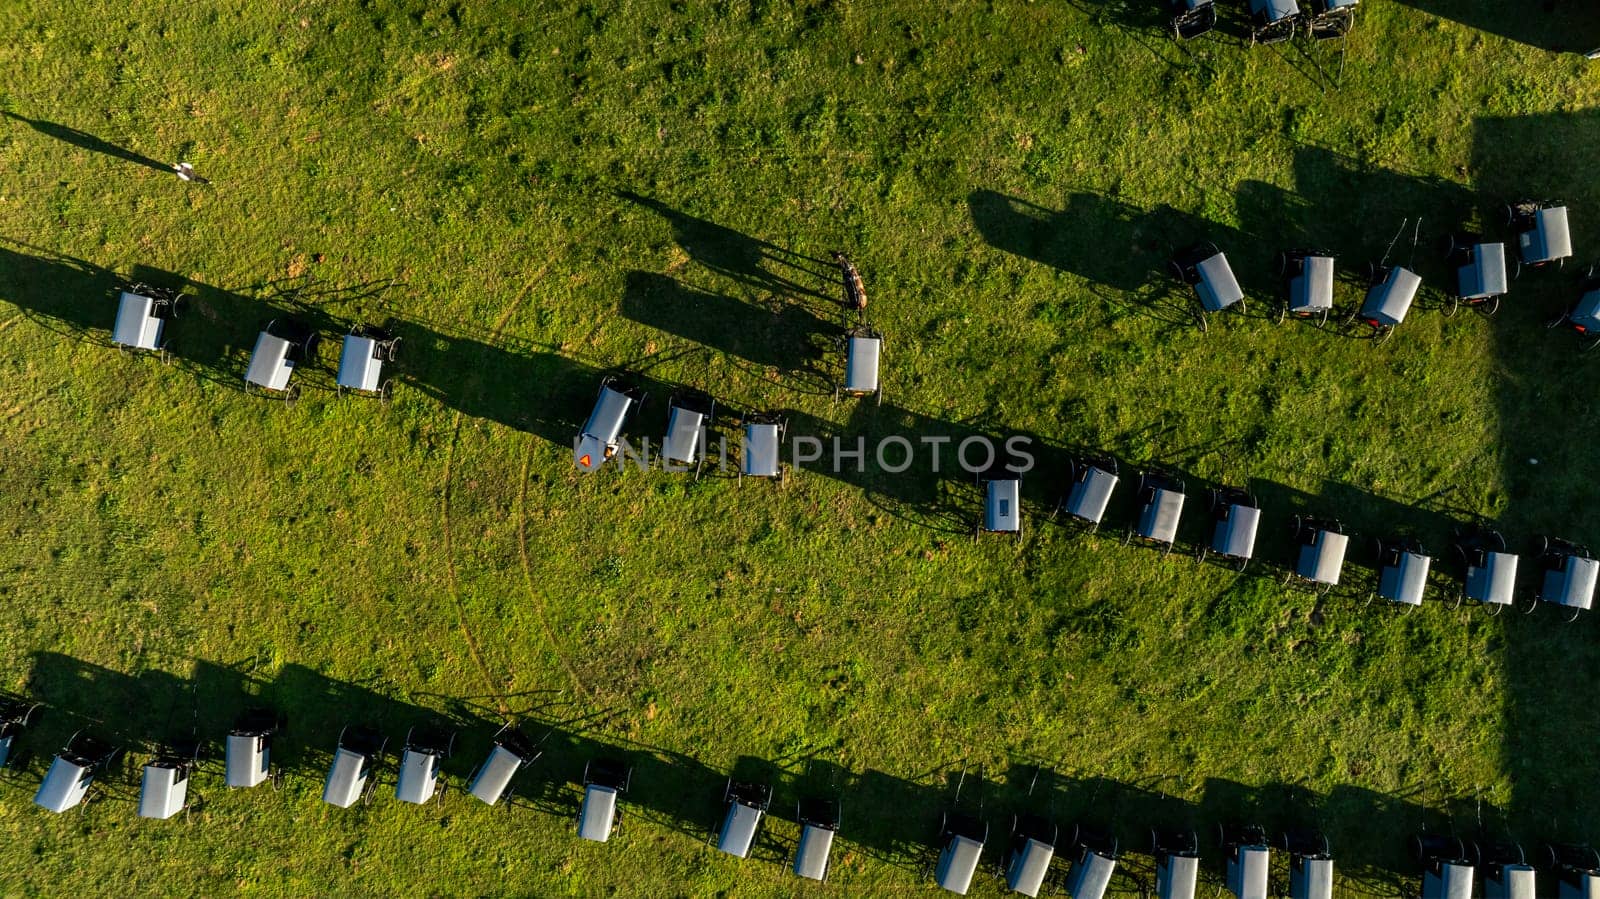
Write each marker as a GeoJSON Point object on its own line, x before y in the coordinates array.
{"type": "Point", "coordinates": [87, 141]}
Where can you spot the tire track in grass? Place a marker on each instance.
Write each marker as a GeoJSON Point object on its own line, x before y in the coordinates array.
{"type": "Point", "coordinates": [450, 571]}
{"type": "Point", "coordinates": [449, 543]}
{"type": "Point", "coordinates": [527, 579]}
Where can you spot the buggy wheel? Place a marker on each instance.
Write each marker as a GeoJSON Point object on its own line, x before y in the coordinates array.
{"type": "Point", "coordinates": [165, 354]}
{"type": "Point", "coordinates": [1574, 616]}
{"type": "Point", "coordinates": [291, 395]}
{"type": "Point", "coordinates": [1127, 538]}
{"type": "Point", "coordinates": [1382, 335]}
{"type": "Point", "coordinates": [394, 346]}
{"type": "Point", "coordinates": [1283, 312]}
{"type": "Point", "coordinates": [1322, 320]}
{"type": "Point", "coordinates": [878, 400]}
{"type": "Point", "coordinates": [1589, 345]}
{"type": "Point", "coordinates": [1457, 604]}
{"type": "Point", "coordinates": [1451, 306]}
{"type": "Point", "coordinates": [1175, 271]}
{"type": "Point", "coordinates": [1200, 555]}
{"type": "Point", "coordinates": [338, 391]}
{"type": "Point", "coordinates": [1489, 307]}
{"type": "Point", "coordinates": [1200, 317]}
{"type": "Point", "coordinates": [386, 391]}
{"type": "Point", "coordinates": [1533, 604]}
{"type": "Point", "coordinates": [1494, 609]}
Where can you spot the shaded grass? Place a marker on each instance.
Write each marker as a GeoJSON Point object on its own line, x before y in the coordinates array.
{"type": "Point", "coordinates": [477, 156]}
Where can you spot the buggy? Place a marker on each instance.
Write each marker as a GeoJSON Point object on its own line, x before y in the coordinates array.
{"type": "Point", "coordinates": [1205, 268]}
{"type": "Point", "coordinates": [361, 360]}
{"type": "Point", "coordinates": [283, 344]}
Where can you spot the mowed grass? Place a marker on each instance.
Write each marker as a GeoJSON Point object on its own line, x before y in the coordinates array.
{"type": "Point", "coordinates": [538, 196]}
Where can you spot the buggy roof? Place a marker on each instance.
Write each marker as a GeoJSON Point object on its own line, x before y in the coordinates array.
{"type": "Point", "coordinates": [64, 785]}
{"type": "Point", "coordinates": [1322, 560]}
{"type": "Point", "coordinates": [1453, 880]}
{"type": "Point", "coordinates": [861, 363]}
{"type": "Point", "coordinates": [359, 364]}
{"type": "Point", "coordinates": [270, 365]}
{"type": "Point", "coordinates": [739, 829]}
{"type": "Point", "coordinates": [1485, 275]}
{"type": "Point", "coordinates": [811, 855]}
{"type": "Point", "coordinates": [346, 778]}
{"type": "Point", "coordinates": [1000, 505]}
{"type": "Point", "coordinates": [1549, 239]}
{"type": "Point", "coordinates": [1405, 579]}
{"type": "Point", "coordinates": [1494, 580]}
{"type": "Point", "coordinates": [760, 457]}
{"type": "Point", "coordinates": [1509, 882]}
{"type": "Point", "coordinates": [247, 758]}
{"type": "Point", "coordinates": [1311, 878]}
{"type": "Point", "coordinates": [1275, 10]}
{"type": "Point", "coordinates": [419, 775]}
{"type": "Point", "coordinates": [1091, 876]}
{"type": "Point", "coordinates": [610, 411]}
{"type": "Point", "coordinates": [957, 863]}
{"type": "Point", "coordinates": [137, 324]}
{"type": "Point", "coordinates": [162, 790]}
{"type": "Point", "coordinates": [598, 812]}
{"type": "Point", "coordinates": [1573, 583]}
{"type": "Point", "coordinates": [1159, 520]}
{"type": "Point", "coordinates": [1218, 288]}
{"type": "Point", "coordinates": [1587, 313]}
{"type": "Point", "coordinates": [683, 434]}
{"type": "Point", "coordinates": [1235, 534]}
{"type": "Point", "coordinates": [1247, 872]}
{"type": "Point", "coordinates": [1312, 289]}
{"type": "Point", "coordinates": [1176, 876]}
{"type": "Point", "coordinates": [1091, 493]}
{"type": "Point", "coordinates": [1388, 301]}
{"type": "Point", "coordinates": [490, 783]}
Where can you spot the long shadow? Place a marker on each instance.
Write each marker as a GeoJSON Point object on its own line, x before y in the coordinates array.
{"type": "Point", "coordinates": [1571, 26]}
{"type": "Point", "coordinates": [521, 386]}
{"type": "Point", "coordinates": [896, 819]}
{"type": "Point", "coordinates": [1122, 250]}
{"type": "Point", "coordinates": [891, 818]}
{"type": "Point", "coordinates": [788, 337]}
{"type": "Point", "coordinates": [212, 334]}
{"type": "Point", "coordinates": [934, 488]}
{"type": "Point", "coordinates": [1545, 446]}
{"type": "Point", "coordinates": [751, 261]}
{"type": "Point", "coordinates": [87, 141]}
{"type": "Point", "coordinates": [140, 711]}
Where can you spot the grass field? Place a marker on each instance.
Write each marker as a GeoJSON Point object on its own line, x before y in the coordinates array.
{"type": "Point", "coordinates": [538, 195]}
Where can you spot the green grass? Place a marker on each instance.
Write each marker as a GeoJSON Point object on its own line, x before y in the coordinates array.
{"type": "Point", "coordinates": [540, 196]}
